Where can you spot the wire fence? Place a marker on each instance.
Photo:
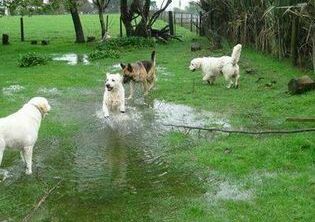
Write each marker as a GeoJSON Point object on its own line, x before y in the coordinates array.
{"type": "Point", "coordinates": [187, 20]}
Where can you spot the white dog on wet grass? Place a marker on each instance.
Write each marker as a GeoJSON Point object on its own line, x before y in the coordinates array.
{"type": "Point", "coordinates": [114, 95]}
{"type": "Point", "coordinates": [212, 67]}
{"type": "Point", "coordinates": [20, 130]}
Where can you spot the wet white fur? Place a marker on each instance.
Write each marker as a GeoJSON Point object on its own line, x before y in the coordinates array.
{"type": "Point", "coordinates": [115, 99]}
{"type": "Point", "coordinates": [20, 129]}
{"type": "Point", "coordinates": [212, 67]}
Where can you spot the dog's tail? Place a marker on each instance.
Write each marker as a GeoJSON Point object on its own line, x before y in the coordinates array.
{"type": "Point", "coordinates": [236, 54]}
{"type": "Point", "coordinates": [153, 57]}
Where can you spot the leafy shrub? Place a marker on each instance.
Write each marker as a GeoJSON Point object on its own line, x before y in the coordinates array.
{"type": "Point", "coordinates": [98, 54]}
{"type": "Point", "coordinates": [32, 59]}
{"type": "Point", "coordinates": [125, 42]}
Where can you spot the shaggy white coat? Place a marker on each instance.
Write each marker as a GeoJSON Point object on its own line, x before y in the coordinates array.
{"type": "Point", "coordinates": [212, 67]}
{"type": "Point", "coordinates": [114, 95]}
{"type": "Point", "coordinates": [20, 130]}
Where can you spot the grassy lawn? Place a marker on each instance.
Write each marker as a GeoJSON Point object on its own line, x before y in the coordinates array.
{"type": "Point", "coordinates": [187, 177]}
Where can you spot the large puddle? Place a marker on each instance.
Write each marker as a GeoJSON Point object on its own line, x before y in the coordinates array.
{"type": "Point", "coordinates": [72, 58]}
{"type": "Point", "coordinates": [114, 169]}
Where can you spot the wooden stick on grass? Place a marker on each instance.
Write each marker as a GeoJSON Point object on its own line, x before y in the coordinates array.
{"type": "Point", "coordinates": [286, 131]}
{"type": "Point", "coordinates": [40, 202]}
{"type": "Point", "coordinates": [300, 119]}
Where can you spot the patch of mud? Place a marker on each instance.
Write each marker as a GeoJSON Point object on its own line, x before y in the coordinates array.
{"type": "Point", "coordinates": [72, 58]}
{"type": "Point", "coordinates": [12, 89]}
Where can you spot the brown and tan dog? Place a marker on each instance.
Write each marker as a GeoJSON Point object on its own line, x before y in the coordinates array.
{"type": "Point", "coordinates": [140, 72]}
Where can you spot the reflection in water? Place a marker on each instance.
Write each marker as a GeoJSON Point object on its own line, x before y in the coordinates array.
{"type": "Point", "coordinates": [115, 170]}
{"type": "Point", "coordinates": [73, 59]}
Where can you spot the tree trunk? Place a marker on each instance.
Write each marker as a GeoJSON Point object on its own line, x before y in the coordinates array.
{"type": "Point", "coordinates": [136, 10]}
{"type": "Point", "coordinates": [101, 18]}
{"type": "Point", "coordinates": [142, 29]}
{"type": "Point", "coordinates": [77, 23]}
{"type": "Point", "coordinates": [126, 17]}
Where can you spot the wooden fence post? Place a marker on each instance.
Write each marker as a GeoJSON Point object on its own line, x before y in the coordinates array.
{"type": "Point", "coordinates": [174, 22]}
{"type": "Point", "coordinates": [201, 32]}
{"type": "Point", "coordinates": [313, 39]}
{"type": "Point", "coordinates": [170, 22]}
{"type": "Point", "coordinates": [181, 19]}
{"type": "Point", "coordinates": [120, 27]}
{"type": "Point", "coordinates": [191, 22]}
{"type": "Point", "coordinates": [5, 39]}
{"type": "Point", "coordinates": [197, 25]}
{"type": "Point", "coordinates": [22, 29]}
{"type": "Point", "coordinates": [294, 40]}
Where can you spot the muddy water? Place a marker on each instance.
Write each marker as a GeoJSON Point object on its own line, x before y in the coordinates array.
{"type": "Point", "coordinates": [112, 170]}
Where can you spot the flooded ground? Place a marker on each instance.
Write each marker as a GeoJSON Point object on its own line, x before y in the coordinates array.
{"type": "Point", "coordinates": [72, 58]}
{"type": "Point", "coordinates": [111, 169]}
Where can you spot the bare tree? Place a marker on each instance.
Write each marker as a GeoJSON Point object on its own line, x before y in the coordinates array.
{"type": "Point", "coordinates": [140, 9]}
{"type": "Point", "coordinates": [101, 6]}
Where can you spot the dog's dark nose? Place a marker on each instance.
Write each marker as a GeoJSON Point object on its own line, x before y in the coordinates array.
{"type": "Point", "coordinates": [107, 85]}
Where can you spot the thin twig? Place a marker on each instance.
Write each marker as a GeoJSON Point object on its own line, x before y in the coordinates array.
{"type": "Point", "coordinates": [300, 119]}
{"type": "Point", "coordinates": [40, 202]}
{"type": "Point", "coordinates": [242, 131]}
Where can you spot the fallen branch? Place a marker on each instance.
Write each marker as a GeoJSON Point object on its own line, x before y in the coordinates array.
{"type": "Point", "coordinates": [242, 131]}
{"type": "Point", "coordinates": [40, 202]}
{"type": "Point", "coordinates": [300, 119]}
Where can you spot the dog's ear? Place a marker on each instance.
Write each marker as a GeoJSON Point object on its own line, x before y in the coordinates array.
{"type": "Point", "coordinates": [129, 68]}
{"type": "Point", "coordinates": [44, 107]}
{"type": "Point", "coordinates": [122, 65]}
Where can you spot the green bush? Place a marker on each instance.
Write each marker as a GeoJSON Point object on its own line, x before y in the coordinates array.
{"type": "Point", "coordinates": [98, 54]}
{"type": "Point", "coordinates": [126, 42]}
{"type": "Point", "coordinates": [32, 59]}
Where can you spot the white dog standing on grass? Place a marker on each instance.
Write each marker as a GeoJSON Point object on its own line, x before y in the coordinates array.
{"type": "Point", "coordinates": [212, 67]}
{"type": "Point", "coordinates": [20, 130]}
{"type": "Point", "coordinates": [114, 95]}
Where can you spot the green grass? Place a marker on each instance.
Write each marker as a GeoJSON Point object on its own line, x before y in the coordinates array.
{"type": "Point", "coordinates": [277, 170]}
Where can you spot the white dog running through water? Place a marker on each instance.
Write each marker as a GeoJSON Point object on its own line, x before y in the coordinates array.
{"type": "Point", "coordinates": [212, 67]}
{"type": "Point", "coordinates": [20, 130]}
{"type": "Point", "coordinates": [114, 95]}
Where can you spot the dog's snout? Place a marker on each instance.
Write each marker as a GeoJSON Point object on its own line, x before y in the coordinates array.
{"type": "Point", "coordinates": [107, 85]}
